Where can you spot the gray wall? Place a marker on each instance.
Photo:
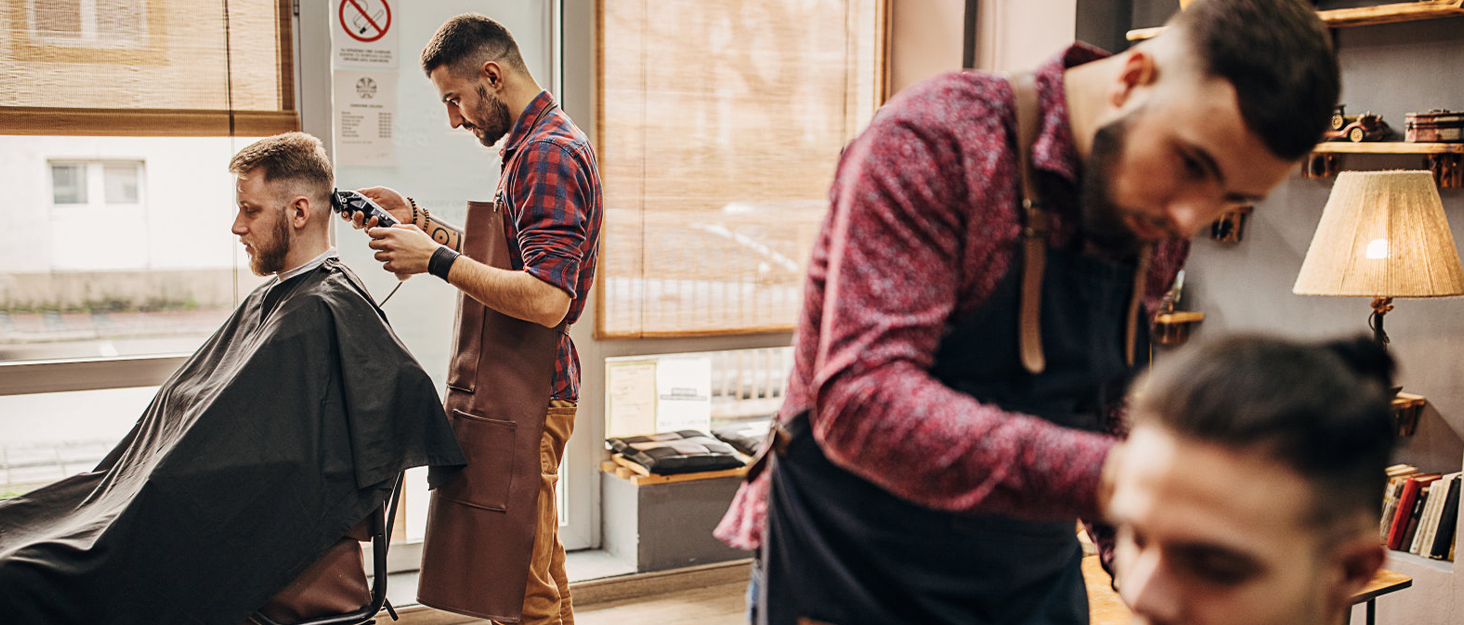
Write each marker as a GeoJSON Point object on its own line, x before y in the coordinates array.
{"type": "Point", "coordinates": [1391, 70]}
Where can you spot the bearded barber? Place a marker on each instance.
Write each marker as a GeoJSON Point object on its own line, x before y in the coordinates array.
{"type": "Point", "coordinates": [978, 300]}
{"type": "Point", "coordinates": [527, 262]}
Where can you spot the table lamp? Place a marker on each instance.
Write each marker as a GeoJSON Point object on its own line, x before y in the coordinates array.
{"type": "Point", "coordinates": [1383, 235]}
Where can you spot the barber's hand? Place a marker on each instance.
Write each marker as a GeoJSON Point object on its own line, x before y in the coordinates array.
{"type": "Point", "coordinates": [402, 249]}
{"type": "Point", "coordinates": [385, 197]}
{"type": "Point", "coordinates": [1107, 480]}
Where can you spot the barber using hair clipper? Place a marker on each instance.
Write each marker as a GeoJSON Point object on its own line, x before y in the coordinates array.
{"type": "Point", "coordinates": [524, 264]}
{"type": "Point", "coordinates": [975, 307]}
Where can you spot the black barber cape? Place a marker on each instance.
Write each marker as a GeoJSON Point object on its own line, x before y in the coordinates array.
{"type": "Point", "coordinates": [281, 433]}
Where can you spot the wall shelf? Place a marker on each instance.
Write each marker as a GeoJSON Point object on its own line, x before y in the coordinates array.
{"type": "Point", "coordinates": [1445, 160]}
{"type": "Point", "coordinates": [1361, 16]}
{"type": "Point", "coordinates": [1388, 147]}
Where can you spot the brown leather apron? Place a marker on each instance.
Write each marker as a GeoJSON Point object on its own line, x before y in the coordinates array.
{"type": "Point", "coordinates": [480, 524]}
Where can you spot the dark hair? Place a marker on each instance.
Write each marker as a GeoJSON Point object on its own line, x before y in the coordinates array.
{"type": "Point", "coordinates": [1278, 55]}
{"type": "Point", "coordinates": [1324, 410]}
{"type": "Point", "coordinates": [293, 156]}
{"type": "Point", "coordinates": [468, 41]}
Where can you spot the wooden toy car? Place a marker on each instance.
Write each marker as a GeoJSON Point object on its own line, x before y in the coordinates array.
{"type": "Point", "coordinates": [1357, 128]}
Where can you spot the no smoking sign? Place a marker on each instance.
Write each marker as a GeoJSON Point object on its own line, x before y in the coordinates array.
{"type": "Point", "coordinates": [364, 36]}
{"type": "Point", "coordinates": [365, 20]}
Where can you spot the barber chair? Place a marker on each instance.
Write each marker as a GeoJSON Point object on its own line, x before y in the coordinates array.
{"type": "Point", "coordinates": [338, 579]}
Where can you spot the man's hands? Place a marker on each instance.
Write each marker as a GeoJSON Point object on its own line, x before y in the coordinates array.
{"type": "Point", "coordinates": [402, 249]}
{"type": "Point", "coordinates": [394, 203]}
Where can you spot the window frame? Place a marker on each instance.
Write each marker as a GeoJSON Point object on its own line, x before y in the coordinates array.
{"type": "Point", "coordinates": [88, 122]}
{"type": "Point", "coordinates": [883, 11]}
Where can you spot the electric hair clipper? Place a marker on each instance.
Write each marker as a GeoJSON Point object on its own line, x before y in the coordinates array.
{"type": "Point", "coordinates": [350, 202]}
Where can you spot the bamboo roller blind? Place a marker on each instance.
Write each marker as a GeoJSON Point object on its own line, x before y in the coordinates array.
{"type": "Point", "coordinates": [721, 123]}
{"type": "Point", "coordinates": [146, 67]}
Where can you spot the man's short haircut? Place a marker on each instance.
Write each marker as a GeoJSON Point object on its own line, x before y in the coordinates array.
{"type": "Point", "coordinates": [1323, 409]}
{"type": "Point", "coordinates": [294, 157]}
{"type": "Point", "coordinates": [464, 43]}
{"type": "Point", "coordinates": [1278, 55]}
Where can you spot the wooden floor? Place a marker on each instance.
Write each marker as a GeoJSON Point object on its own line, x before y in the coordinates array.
{"type": "Point", "coordinates": [720, 604]}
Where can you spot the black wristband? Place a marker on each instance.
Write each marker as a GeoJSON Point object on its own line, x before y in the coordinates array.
{"type": "Point", "coordinates": [441, 262]}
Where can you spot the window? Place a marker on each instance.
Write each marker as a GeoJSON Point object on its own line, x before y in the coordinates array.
{"type": "Point", "coordinates": [151, 67]}
{"type": "Point", "coordinates": [728, 387]}
{"type": "Point", "coordinates": [117, 121]}
{"type": "Point", "coordinates": [95, 23]}
{"type": "Point", "coordinates": [68, 183]}
{"type": "Point", "coordinates": [716, 172]}
{"type": "Point", "coordinates": [118, 182]}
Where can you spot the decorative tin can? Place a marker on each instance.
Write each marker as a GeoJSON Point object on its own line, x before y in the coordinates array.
{"type": "Point", "coordinates": [1436, 126]}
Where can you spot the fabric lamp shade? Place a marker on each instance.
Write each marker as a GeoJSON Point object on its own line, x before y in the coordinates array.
{"type": "Point", "coordinates": [1382, 234]}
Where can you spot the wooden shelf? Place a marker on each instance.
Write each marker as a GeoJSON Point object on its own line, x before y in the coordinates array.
{"type": "Point", "coordinates": [1362, 16]}
{"type": "Point", "coordinates": [1388, 147]}
{"type": "Point", "coordinates": [638, 475]}
{"type": "Point", "coordinates": [1393, 13]}
{"type": "Point", "coordinates": [1445, 160]}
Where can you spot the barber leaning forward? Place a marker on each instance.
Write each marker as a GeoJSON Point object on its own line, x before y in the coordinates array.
{"type": "Point", "coordinates": [528, 259]}
{"type": "Point", "coordinates": [972, 314]}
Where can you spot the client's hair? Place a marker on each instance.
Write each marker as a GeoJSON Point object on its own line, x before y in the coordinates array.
{"type": "Point", "coordinates": [294, 157]}
{"type": "Point", "coordinates": [1322, 409]}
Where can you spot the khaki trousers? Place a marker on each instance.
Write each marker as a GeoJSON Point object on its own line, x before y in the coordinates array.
{"type": "Point", "coordinates": [546, 599]}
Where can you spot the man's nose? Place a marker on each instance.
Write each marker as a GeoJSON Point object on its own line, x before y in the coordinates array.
{"type": "Point", "coordinates": [238, 227]}
{"type": "Point", "coordinates": [1148, 590]}
{"type": "Point", "coordinates": [1190, 214]}
{"type": "Point", "coordinates": [454, 117]}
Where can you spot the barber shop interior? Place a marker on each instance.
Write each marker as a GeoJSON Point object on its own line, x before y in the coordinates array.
{"type": "Point", "coordinates": [731, 312]}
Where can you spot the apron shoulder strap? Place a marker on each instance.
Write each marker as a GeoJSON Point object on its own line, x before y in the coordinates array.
{"type": "Point", "coordinates": [1034, 240]}
{"type": "Point", "coordinates": [1035, 226]}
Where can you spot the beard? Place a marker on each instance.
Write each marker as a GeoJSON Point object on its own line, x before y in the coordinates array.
{"type": "Point", "coordinates": [1102, 217]}
{"type": "Point", "coordinates": [269, 256]}
{"type": "Point", "coordinates": [494, 115]}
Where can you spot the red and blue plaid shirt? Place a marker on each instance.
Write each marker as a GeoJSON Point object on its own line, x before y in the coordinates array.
{"type": "Point", "coordinates": [553, 223]}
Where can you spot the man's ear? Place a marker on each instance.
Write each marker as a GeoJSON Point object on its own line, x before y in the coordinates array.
{"type": "Point", "coordinates": [1354, 562]}
{"type": "Point", "coordinates": [298, 211]}
{"type": "Point", "coordinates": [1139, 70]}
{"type": "Point", "coordinates": [492, 74]}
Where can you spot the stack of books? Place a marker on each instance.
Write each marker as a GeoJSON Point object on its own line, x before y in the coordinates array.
{"type": "Point", "coordinates": [1420, 512]}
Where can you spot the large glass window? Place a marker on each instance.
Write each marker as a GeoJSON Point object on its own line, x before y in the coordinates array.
{"type": "Point", "coordinates": [117, 122]}
{"type": "Point", "coordinates": [721, 123]}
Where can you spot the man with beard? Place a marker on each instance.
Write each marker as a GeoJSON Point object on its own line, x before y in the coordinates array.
{"type": "Point", "coordinates": [1248, 491]}
{"type": "Point", "coordinates": [282, 432]}
{"type": "Point", "coordinates": [978, 300]}
{"type": "Point", "coordinates": [527, 262]}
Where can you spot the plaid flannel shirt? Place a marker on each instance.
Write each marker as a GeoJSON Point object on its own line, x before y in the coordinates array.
{"type": "Point", "coordinates": [553, 223]}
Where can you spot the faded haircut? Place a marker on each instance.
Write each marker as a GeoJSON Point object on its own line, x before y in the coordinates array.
{"type": "Point", "coordinates": [1278, 55]}
{"type": "Point", "coordinates": [1322, 409]}
{"type": "Point", "coordinates": [464, 43]}
{"type": "Point", "coordinates": [293, 157]}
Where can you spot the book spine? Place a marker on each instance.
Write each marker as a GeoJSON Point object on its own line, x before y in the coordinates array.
{"type": "Point", "coordinates": [1390, 506]}
{"type": "Point", "coordinates": [1443, 545]}
{"type": "Point", "coordinates": [1400, 518]}
{"type": "Point", "coordinates": [1414, 516]}
{"type": "Point", "coordinates": [1432, 514]}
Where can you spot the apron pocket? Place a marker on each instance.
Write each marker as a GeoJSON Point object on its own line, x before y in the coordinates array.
{"type": "Point", "coordinates": [488, 445]}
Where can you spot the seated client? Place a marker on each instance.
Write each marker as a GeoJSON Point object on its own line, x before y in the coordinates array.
{"type": "Point", "coordinates": [282, 432]}
{"type": "Point", "coordinates": [1250, 488]}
